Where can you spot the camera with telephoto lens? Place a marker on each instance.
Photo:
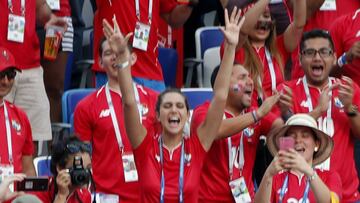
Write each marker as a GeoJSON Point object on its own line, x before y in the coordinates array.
{"type": "Point", "coordinates": [79, 175]}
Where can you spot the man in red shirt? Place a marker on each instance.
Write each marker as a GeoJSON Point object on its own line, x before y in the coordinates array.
{"type": "Point", "coordinates": [17, 33]}
{"type": "Point", "coordinates": [144, 23]}
{"type": "Point", "coordinates": [231, 159]}
{"type": "Point", "coordinates": [15, 133]}
{"type": "Point", "coordinates": [333, 103]}
{"type": "Point", "coordinates": [99, 119]}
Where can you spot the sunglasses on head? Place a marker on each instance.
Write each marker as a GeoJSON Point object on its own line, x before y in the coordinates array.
{"type": "Point", "coordinates": [264, 25]}
{"type": "Point", "coordinates": [9, 73]}
{"type": "Point", "coordinates": [79, 147]}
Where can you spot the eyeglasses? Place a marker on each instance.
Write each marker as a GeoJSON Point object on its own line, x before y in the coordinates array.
{"type": "Point", "coordinates": [79, 147]}
{"type": "Point", "coordinates": [323, 52]}
{"type": "Point", "coordinates": [10, 74]}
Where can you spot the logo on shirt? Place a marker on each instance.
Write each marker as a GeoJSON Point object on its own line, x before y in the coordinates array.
{"type": "Point", "coordinates": [104, 113]}
{"type": "Point", "coordinates": [143, 109]}
{"type": "Point", "coordinates": [338, 103]}
{"type": "Point", "coordinates": [358, 34]}
{"type": "Point", "coordinates": [305, 104]}
{"type": "Point", "coordinates": [16, 126]}
{"type": "Point", "coordinates": [248, 132]}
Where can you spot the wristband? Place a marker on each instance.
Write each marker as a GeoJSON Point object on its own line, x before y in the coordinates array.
{"type": "Point", "coordinates": [256, 119]}
{"type": "Point", "coordinates": [342, 60]}
{"type": "Point", "coordinates": [122, 65]}
{"type": "Point", "coordinates": [312, 177]}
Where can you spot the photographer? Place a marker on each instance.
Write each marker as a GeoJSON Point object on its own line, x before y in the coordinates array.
{"type": "Point", "coordinates": [70, 165]}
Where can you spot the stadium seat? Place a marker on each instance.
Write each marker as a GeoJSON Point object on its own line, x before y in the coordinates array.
{"type": "Point", "coordinates": [168, 59]}
{"type": "Point", "coordinates": [205, 38]}
{"type": "Point", "coordinates": [42, 165]}
{"type": "Point", "coordinates": [197, 96]}
{"type": "Point", "coordinates": [69, 100]}
{"type": "Point", "coordinates": [211, 61]}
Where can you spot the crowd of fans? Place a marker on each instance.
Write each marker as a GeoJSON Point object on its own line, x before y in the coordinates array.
{"type": "Point", "coordinates": [288, 75]}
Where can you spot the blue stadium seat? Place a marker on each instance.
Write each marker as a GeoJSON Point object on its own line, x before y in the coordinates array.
{"type": "Point", "coordinates": [70, 99]}
{"type": "Point", "coordinates": [42, 165]}
{"type": "Point", "coordinates": [168, 59]}
{"type": "Point", "coordinates": [197, 96]}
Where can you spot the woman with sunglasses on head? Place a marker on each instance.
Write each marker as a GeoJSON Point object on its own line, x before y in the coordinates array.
{"type": "Point", "coordinates": [297, 148]}
{"type": "Point", "coordinates": [70, 165]}
{"type": "Point", "coordinates": [264, 53]}
{"type": "Point", "coordinates": [169, 163]}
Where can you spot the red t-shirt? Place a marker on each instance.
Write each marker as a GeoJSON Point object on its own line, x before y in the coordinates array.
{"type": "Point", "coordinates": [148, 163]}
{"type": "Point", "coordinates": [296, 188]}
{"type": "Point", "coordinates": [27, 54]}
{"type": "Point", "coordinates": [147, 65]}
{"type": "Point", "coordinates": [21, 137]}
{"type": "Point", "coordinates": [343, 139]}
{"type": "Point", "coordinates": [324, 20]}
{"type": "Point", "coordinates": [65, 9]}
{"type": "Point", "coordinates": [92, 122]}
{"type": "Point", "coordinates": [266, 81]}
{"type": "Point", "coordinates": [215, 174]}
{"type": "Point", "coordinates": [345, 32]}
{"type": "Point", "coordinates": [80, 193]}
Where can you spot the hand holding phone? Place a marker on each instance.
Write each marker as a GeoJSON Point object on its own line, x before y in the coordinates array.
{"type": "Point", "coordinates": [33, 184]}
{"type": "Point", "coordinates": [286, 143]}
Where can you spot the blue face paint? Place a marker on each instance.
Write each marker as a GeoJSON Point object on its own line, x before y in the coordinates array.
{"type": "Point", "coordinates": [236, 88]}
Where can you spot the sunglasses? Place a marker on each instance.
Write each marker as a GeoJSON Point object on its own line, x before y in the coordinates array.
{"type": "Point", "coordinates": [10, 74]}
{"type": "Point", "coordinates": [264, 25]}
{"type": "Point", "coordinates": [79, 147]}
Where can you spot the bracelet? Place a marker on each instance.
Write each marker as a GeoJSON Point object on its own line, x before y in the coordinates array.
{"type": "Point", "coordinates": [122, 65]}
{"type": "Point", "coordinates": [342, 60]}
{"type": "Point", "coordinates": [253, 113]}
{"type": "Point", "coordinates": [312, 177]}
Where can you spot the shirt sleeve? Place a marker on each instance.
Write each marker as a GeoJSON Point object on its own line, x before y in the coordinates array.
{"type": "Point", "coordinates": [333, 182]}
{"type": "Point", "coordinates": [337, 30]}
{"type": "Point", "coordinates": [82, 120]}
{"type": "Point", "coordinates": [198, 116]}
{"type": "Point", "coordinates": [166, 6]}
{"type": "Point", "coordinates": [267, 122]}
{"type": "Point", "coordinates": [28, 148]}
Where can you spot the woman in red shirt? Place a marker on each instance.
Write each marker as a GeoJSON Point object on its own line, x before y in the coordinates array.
{"type": "Point", "coordinates": [64, 187]}
{"type": "Point", "coordinates": [169, 163]}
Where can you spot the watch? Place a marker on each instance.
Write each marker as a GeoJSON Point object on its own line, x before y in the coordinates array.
{"type": "Point", "coordinates": [121, 65]}
{"type": "Point", "coordinates": [352, 110]}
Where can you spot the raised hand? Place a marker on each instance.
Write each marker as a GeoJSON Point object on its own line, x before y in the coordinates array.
{"type": "Point", "coordinates": [286, 100]}
{"type": "Point", "coordinates": [275, 166]}
{"type": "Point", "coordinates": [268, 104]}
{"type": "Point", "coordinates": [346, 91]}
{"type": "Point", "coordinates": [291, 159]}
{"type": "Point", "coordinates": [354, 52]}
{"type": "Point", "coordinates": [117, 41]}
{"type": "Point", "coordinates": [232, 26]}
{"type": "Point", "coordinates": [63, 181]}
{"type": "Point", "coordinates": [5, 193]}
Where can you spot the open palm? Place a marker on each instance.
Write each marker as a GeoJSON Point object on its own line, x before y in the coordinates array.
{"type": "Point", "coordinates": [232, 26]}
{"type": "Point", "coordinates": [117, 41]}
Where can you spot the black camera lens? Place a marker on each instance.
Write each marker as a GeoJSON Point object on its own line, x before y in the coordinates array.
{"type": "Point", "coordinates": [79, 175]}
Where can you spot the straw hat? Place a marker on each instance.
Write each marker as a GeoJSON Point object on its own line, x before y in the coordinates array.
{"type": "Point", "coordinates": [303, 120]}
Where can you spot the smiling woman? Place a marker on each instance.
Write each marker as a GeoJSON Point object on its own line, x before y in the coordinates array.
{"type": "Point", "coordinates": [169, 163]}
{"type": "Point", "coordinates": [295, 165]}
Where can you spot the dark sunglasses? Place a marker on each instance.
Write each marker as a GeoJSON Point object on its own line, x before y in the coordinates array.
{"type": "Point", "coordinates": [10, 74]}
{"type": "Point", "coordinates": [79, 147]}
{"type": "Point", "coordinates": [264, 25]}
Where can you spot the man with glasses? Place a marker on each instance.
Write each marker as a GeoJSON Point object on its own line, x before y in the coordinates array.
{"type": "Point", "coordinates": [332, 102]}
{"type": "Point", "coordinates": [15, 132]}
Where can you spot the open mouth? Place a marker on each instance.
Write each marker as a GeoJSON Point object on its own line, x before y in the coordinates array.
{"type": "Point", "coordinates": [174, 121]}
{"type": "Point", "coordinates": [300, 149]}
{"type": "Point", "coordinates": [248, 92]}
{"type": "Point", "coordinates": [317, 70]}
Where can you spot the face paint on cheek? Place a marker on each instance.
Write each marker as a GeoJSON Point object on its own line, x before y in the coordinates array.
{"type": "Point", "coordinates": [237, 87]}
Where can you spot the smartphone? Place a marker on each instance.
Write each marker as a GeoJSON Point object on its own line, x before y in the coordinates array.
{"type": "Point", "coordinates": [33, 184]}
{"type": "Point", "coordinates": [286, 143]}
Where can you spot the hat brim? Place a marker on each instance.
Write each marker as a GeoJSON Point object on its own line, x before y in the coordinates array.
{"type": "Point", "coordinates": [324, 151]}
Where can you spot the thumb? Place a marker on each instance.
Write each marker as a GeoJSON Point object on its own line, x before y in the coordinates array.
{"type": "Point", "coordinates": [128, 36]}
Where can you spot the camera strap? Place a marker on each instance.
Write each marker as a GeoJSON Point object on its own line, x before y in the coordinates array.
{"type": "Point", "coordinates": [8, 133]}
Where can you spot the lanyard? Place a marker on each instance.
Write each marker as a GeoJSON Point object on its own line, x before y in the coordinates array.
{"type": "Point", "coordinates": [137, 10]}
{"type": "Point", "coordinates": [324, 124]}
{"type": "Point", "coordinates": [271, 68]}
{"type": "Point", "coordinates": [8, 134]}
{"type": "Point", "coordinates": [285, 186]}
{"type": "Point", "coordinates": [11, 8]}
{"type": "Point", "coordinates": [181, 173]}
{"type": "Point", "coordinates": [239, 154]}
{"type": "Point", "coordinates": [113, 115]}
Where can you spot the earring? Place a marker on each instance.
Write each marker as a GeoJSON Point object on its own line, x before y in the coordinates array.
{"type": "Point", "coordinates": [316, 149]}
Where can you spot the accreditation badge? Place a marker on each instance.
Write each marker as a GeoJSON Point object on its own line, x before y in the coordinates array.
{"type": "Point", "coordinates": [54, 4]}
{"type": "Point", "coordinates": [130, 172]}
{"type": "Point", "coordinates": [16, 28]}
{"type": "Point", "coordinates": [141, 36]}
{"type": "Point", "coordinates": [5, 171]}
{"type": "Point", "coordinates": [239, 190]}
{"type": "Point", "coordinates": [328, 5]}
{"type": "Point", "coordinates": [105, 198]}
